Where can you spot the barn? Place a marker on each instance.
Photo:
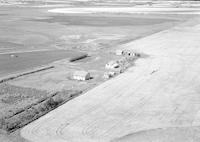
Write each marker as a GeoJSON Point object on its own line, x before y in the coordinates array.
{"type": "Point", "coordinates": [81, 75]}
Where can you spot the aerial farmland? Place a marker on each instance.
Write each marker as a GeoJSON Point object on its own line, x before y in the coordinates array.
{"type": "Point", "coordinates": [95, 70]}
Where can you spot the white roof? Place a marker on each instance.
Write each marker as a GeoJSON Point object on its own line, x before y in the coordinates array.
{"type": "Point", "coordinates": [80, 73]}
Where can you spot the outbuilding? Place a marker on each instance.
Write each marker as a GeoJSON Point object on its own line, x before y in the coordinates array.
{"type": "Point", "coordinates": [12, 56]}
{"type": "Point", "coordinates": [81, 75]}
{"type": "Point", "coordinates": [112, 65]}
{"type": "Point", "coordinates": [119, 52]}
{"type": "Point", "coordinates": [110, 74]}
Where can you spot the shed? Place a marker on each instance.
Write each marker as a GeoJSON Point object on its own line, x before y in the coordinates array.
{"type": "Point", "coordinates": [112, 65]}
{"type": "Point", "coordinates": [119, 70]}
{"type": "Point", "coordinates": [12, 56]}
{"type": "Point", "coordinates": [132, 54]}
{"type": "Point", "coordinates": [119, 52]}
{"type": "Point", "coordinates": [108, 75]}
{"type": "Point", "coordinates": [81, 75]}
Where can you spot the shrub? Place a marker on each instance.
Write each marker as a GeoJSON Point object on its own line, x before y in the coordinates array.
{"type": "Point", "coordinates": [12, 123]}
{"type": "Point", "coordinates": [27, 115]}
{"type": "Point", "coordinates": [78, 58]}
{"type": "Point", "coordinates": [58, 99]}
{"type": "Point", "coordinates": [40, 108]}
{"type": "Point", "coordinates": [75, 93]}
{"type": "Point", "coordinates": [20, 117]}
{"type": "Point", "coordinates": [49, 103]}
{"type": "Point", "coordinates": [2, 123]}
{"type": "Point", "coordinates": [37, 109]}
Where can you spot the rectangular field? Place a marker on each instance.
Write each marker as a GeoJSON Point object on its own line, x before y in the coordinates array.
{"type": "Point", "coordinates": [11, 63]}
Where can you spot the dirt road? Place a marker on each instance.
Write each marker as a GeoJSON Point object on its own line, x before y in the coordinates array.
{"type": "Point", "coordinates": [161, 93]}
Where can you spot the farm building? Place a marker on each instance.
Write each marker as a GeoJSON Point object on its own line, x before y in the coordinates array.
{"type": "Point", "coordinates": [119, 52]}
{"type": "Point", "coordinates": [12, 55]}
{"type": "Point", "coordinates": [81, 75]}
{"type": "Point", "coordinates": [108, 75]}
{"type": "Point", "coordinates": [112, 65]}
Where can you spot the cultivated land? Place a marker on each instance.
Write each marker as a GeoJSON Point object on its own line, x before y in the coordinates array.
{"type": "Point", "coordinates": [34, 36]}
{"type": "Point", "coordinates": [156, 100]}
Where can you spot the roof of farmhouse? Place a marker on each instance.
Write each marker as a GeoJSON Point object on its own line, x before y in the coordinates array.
{"type": "Point", "coordinates": [80, 73]}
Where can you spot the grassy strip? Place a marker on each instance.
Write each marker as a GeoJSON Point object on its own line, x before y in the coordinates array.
{"type": "Point", "coordinates": [34, 111]}
{"type": "Point", "coordinates": [2, 80]}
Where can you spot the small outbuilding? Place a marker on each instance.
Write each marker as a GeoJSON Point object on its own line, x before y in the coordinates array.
{"type": "Point", "coordinates": [13, 56]}
{"type": "Point", "coordinates": [81, 75]}
{"type": "Point", "coordinates": [132, 54]}
{"type": "Point", "coordinates": [119, 52]}
{"type": "Point", "coordinates": [108, 75]}
{"type": "Point", "coordinates": [112, 65]}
